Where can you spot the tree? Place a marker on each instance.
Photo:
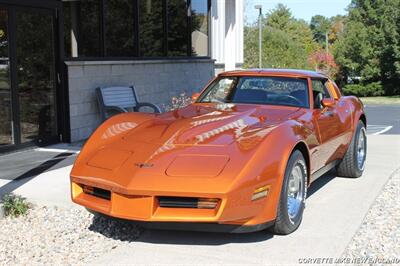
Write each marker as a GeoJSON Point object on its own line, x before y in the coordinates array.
{"type": "Point", "coordinates": [287, 42]}
{"type": "Point", "coordinates": [282, 51]}
{"type": "Point", "coordinates": [324, 62]}
{"type": "Point", "coordinates": [336, 28]}
{"type": "Point", "coordinates": [279, 18]}
{"type": "Point", "coordinates": [369, 47]}
{"type": "Point", "coordinates": [301, 32]}
{"type": "Point", "coordinates": [320, 26]}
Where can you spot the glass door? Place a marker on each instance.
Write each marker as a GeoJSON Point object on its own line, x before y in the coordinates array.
{"type": "Point", "coordinates": [6, 137]}
{"type": "Point", "coordinates": [36, 74]}
{"type": "Point", "coordinates": [28, 77]}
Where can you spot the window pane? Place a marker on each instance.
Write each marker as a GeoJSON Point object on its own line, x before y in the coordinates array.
{"type": "Point", "coordinates": [258, 90]}
{"type": "Point", "coordinates": [219, 90]}
{"type": "Point", "coordinates": [82, 28]}
{"type": "Point", "coordinates": [200, 27]}
{"type": "Point", "coordinates": [35, 62]}
{"type": "Point", "coordinates": [5, 93]}
{"type": "Point", "coordinates": [319, 87]}
{"type": "Point", "coordinates": [119, 23]}
{"type": "Point", "coordinates": [151, 33]}
{"type": "Point", "coordinates": [67, 29]}
{"type": "Point", "coordinates": [177, 28]}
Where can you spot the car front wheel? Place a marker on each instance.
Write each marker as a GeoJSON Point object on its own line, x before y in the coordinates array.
{"type": "Point", "coordinates": [293, 195]}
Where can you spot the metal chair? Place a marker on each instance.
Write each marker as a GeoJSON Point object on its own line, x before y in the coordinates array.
{"type": "Point", "coordinates": [113, 100]}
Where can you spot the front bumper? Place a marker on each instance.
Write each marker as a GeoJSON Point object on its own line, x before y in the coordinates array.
{"type": "Point", "coordinates": [230, 214]}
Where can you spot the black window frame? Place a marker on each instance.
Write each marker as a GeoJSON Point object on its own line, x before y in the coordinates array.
{"type": "Point", "coordinates": [103, 38]}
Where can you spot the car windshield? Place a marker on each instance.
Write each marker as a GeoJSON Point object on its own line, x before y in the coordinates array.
{"type": "Point", "coordinates": [258, 90]}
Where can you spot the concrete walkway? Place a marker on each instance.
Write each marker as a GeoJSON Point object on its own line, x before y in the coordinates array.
{"type": "Point", "coordinates": [41, 175]}
{"type": "Point", "coordinates": [335, 210]}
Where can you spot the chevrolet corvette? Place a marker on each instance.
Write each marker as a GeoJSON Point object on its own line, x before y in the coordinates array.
{"type": "Point", "coordinates": [238, 159]}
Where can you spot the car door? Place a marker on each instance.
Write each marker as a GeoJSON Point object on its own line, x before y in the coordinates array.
{"type": "Point", "coordinates": [343, 110]}
{"type": "Point", "coordinates": [328, 126]}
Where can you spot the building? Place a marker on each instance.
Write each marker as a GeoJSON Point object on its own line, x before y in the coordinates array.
{"type": "Point", "coordinates": [53, 54]}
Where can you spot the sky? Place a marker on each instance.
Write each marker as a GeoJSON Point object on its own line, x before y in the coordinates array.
{"type": "Point", "coordinates": [303, 9]}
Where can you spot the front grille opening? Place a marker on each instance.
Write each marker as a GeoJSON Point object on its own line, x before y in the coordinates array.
{"type": "Point", "coordinates": [187, 202]}
{"type": "Point", "coordinates": [97, 192]}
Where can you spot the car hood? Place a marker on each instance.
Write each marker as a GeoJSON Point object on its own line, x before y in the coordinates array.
{"type": "Point", "coordinates": [209, 124]}
{"type": "Point", "coordinates": [175, 151]}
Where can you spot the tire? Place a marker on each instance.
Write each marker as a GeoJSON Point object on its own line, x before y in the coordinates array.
{"type": "Point", "coordinates": [350, 166]}
{"type": "Point", "coordinates": [286, 223]}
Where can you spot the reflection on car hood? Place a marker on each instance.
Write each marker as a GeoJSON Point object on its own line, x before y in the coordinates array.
{"type": "Point", "coordinates": [211, 124]}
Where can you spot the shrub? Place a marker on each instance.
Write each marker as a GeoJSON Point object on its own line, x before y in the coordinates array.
{"type": "Point", "coordinates": [353, 89]}
{"type": "Point", "coordinates": [371, 89]}
{"type": "Point", "coordinates": [178, 102]}
{"type": "Point", "coordinates": [15, 205]}
{"type": "Point", "coordinates": [375, 89]}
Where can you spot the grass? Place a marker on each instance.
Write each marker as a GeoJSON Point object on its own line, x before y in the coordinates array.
{"type": "Point", "coordinates": [15, 205]}
{"type": "Point", "coordinates": [381, 100]}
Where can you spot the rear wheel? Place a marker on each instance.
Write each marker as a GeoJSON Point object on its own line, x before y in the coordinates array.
{"type": "Point", "coordinates": [353, 163]}
{"type": "Point", "coordinates": [293, 195]}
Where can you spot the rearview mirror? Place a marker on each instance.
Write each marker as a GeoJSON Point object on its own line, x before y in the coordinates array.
{"type": "Point", "coordinates": [195, 96]}
{"type": "Point", "coordinates": [328, 102]}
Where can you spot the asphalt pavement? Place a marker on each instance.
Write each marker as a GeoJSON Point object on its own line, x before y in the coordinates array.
{"type": "Point", "coordinates": [383, 119]}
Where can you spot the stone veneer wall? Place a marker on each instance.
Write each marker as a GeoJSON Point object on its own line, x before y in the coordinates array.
{"type": "Point", "coordinates": [156, 81]}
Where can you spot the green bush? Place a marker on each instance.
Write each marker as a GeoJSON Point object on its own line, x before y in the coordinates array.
{"type": "Point", "coordinates": [15, 205]}
{"type": "Point", "coordinates": [368, 90]}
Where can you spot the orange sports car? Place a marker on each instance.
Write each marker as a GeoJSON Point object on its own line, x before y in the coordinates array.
{"type": "Point", "coordinates": [238, 159]}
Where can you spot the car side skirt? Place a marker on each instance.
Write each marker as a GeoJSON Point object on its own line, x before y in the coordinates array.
{"type": "Point", "coordinates": [324, 170]}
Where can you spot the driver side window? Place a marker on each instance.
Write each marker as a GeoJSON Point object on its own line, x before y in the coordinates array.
{"type": "Point", "coordinates": [220, 90]}
{"type": "Point", "coordinates": [320, 91]}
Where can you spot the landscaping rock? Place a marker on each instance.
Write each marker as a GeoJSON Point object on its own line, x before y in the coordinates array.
{"type": "Point", "coordinates": [2, 212]}
{"type": "Point", "coordinates": [379, 234]}
{"type": "Point", "coordinates": [56, 236]}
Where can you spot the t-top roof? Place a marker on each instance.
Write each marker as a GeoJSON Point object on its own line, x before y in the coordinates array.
{"type": "Point", "coordinates": [274, 72]}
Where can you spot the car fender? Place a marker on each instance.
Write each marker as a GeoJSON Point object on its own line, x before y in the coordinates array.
{"type": "Point", "coordinates": [268, 165]}
{"type": "Point", "coordinates": [357, 110]}
{"type": "Point", "coordinates": [110, 130]}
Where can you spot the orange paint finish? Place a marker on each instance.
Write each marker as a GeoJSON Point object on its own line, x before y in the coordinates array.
{"type": "Point", "coordinates": [209, 150]}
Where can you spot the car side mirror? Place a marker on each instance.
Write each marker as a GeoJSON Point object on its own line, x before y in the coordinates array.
{"type": "Point", "coordinates": [195, 96]}
{"type": "Point", "coordinates": [328, 102]}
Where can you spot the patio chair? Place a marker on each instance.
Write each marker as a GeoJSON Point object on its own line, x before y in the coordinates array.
{"type": "Point", "coordinates": [114, 100]}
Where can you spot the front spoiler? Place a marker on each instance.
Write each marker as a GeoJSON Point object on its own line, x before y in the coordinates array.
{"type": "Point", "coordinates": [194, 226]}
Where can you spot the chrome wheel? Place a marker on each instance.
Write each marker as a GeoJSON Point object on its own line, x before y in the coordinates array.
{"type": "Point", "coordinates": [295, 192]}
{"type": "Point", "coordinates": [361, 149]}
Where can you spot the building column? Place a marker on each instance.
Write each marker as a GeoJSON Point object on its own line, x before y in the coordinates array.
{"type": "Point", "coordinates": [230, 35]}
{"type": "Point", "coordinates": [74, 28]}
{"type": "Point", "coordinates": [218, 31]}
{"type": "Point", "coordinates": [239, 32]}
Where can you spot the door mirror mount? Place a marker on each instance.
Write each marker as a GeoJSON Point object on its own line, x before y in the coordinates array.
{"type": "Point", "coordinates": [195, 96]}
{"type": "Point", "coordinates": [328, 102]}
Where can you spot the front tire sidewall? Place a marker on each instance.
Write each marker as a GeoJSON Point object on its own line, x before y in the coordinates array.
{"type": "Point", "coordinates": [292, 224]}
{"type": "Point", "coordinates": [360, 130]}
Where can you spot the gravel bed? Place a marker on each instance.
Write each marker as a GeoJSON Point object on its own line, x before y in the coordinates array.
{"type": "Point", "coordinates": [379, 234]}
{"type": "Point", "coordinates": [57, 236]}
